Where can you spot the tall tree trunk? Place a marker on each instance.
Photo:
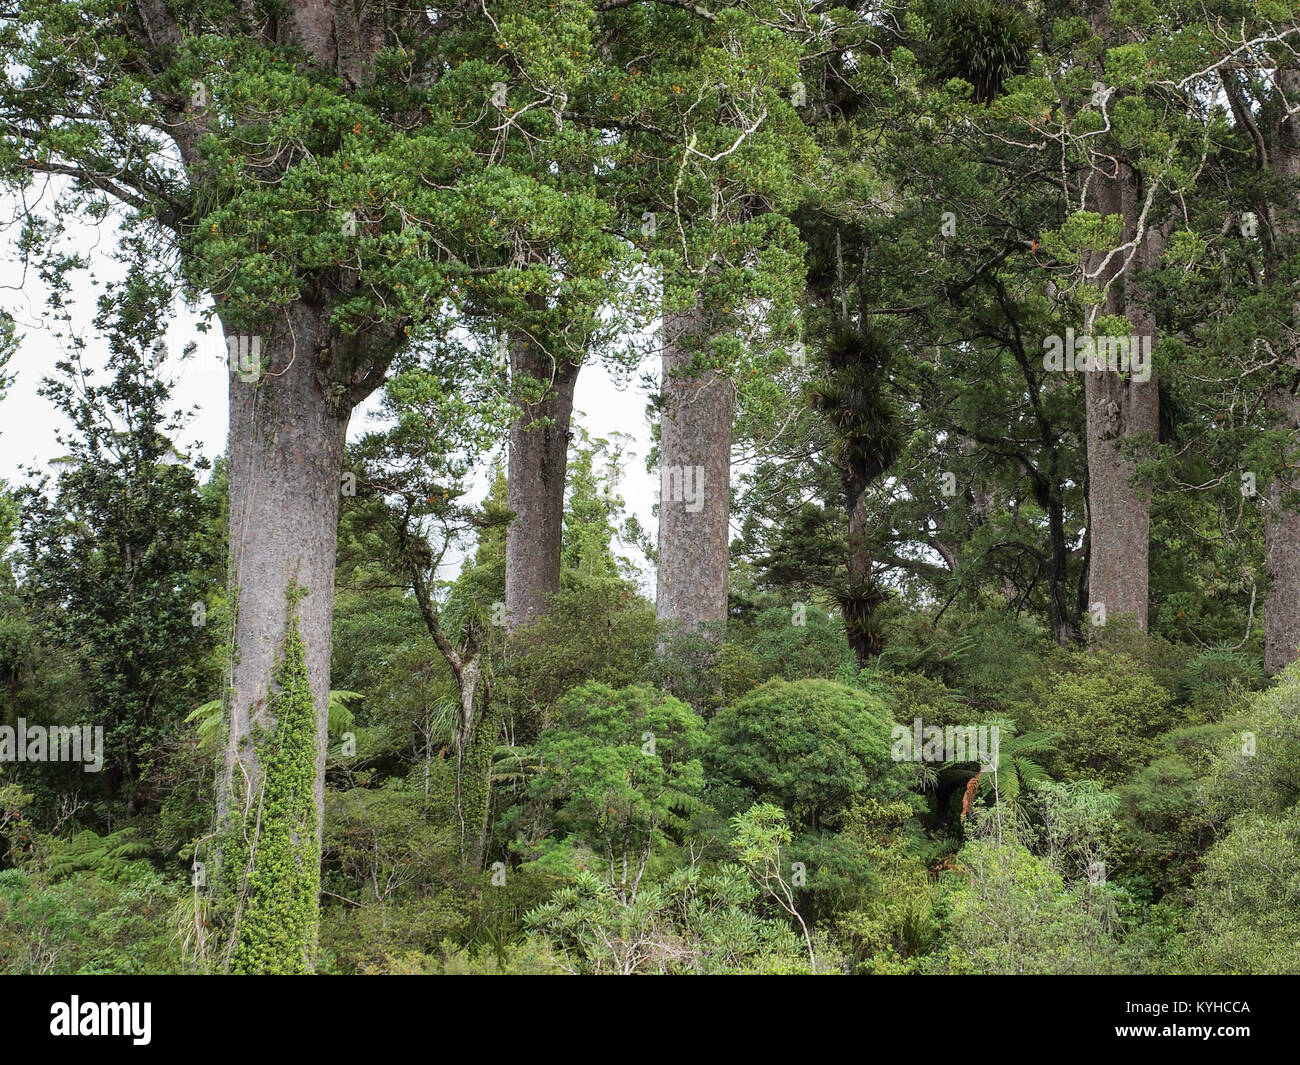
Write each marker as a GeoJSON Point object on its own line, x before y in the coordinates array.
{"type": "Point", "coordinates": [285, 448]}
{"type": "Point", "coordinates": [539, 456]}
{"type": "Point", "coordinates": [1281, 520]}
{"type": "Point", "coordinates": [1118, 408]}
{"type": "Point", "coordinates": [694, 479]}
{"type": "Point", "coordinates": [1282, 548]}
{"type": "Point", "coordinates": [287, 431]}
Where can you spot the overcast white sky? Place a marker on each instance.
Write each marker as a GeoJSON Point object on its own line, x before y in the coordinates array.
{"type": "Point", "coordinates": [28, 422]}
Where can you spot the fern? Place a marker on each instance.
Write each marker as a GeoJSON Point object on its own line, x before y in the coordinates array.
{"type": "Point", "coordinates": [89, 852]}
{"type": "Point", "coordinates": [209, 718]}
{"type": "Point", "coordinates": [1221, 669]}
{"type": "Point", "coordinates": [513, 765]}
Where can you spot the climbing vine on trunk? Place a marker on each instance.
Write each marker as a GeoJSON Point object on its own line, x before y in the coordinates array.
{"type": "Point", "coordinates": [276, 916]}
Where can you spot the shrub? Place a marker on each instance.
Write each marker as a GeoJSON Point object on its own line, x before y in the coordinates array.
{"type": "Point", "coordinates": [1246, 919]}
{"type": "Point", "coordinates": [709, 673]}
{"type": "Point", "coordinates": [1110, 714]}
{"type": "Point", "coordinates": [1162, 812]}
{"type": "Point", "coordinates": [991, 658]}
{"type": "Point", "coordinates": [1257, 766]}
{"type": "Point", "coordinates": [618, 768]}
{"type": "Point", "coordinates": [109, 918]}
{"type": "Point", "coordinates": [601, 632]}
{"type": "Point", "coordinates": [374, 938]}
{"type": "Point", "coordinates": [1217, 680]}
{"type": "Point", "coordinates": [1013, 914]}
{"type": "Point", "coordinates": [913, 695]}
{"type": "Point", "coordinates": [695, 922]}
{"type": "Point", "coordinates": [392, 874]}
{"type": "Point", "coordinates": [815, 648]}
{"type": "Point", "coordinates": [810, 746]}
{"type": "Point", "coordinates": [871, 883]}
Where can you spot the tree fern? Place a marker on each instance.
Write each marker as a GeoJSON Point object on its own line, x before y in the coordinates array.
{"type": "Point", "coordinates": [89, 852]}
{"type": "Point", "coordinates": [1017, 766]}
{"type": "Point", "coordinates": [209, 718]}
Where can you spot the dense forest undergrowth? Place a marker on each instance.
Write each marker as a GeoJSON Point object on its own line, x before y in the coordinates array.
{"type": "Point", "coordinates": [632, 802]}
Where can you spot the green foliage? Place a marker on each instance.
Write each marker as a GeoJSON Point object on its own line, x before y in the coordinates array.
{"type": "Point", "coordinates": [694, 922]}
{"type": "Point", "coordinates": [380, 841]}
{"type": "Point", "coordinates": [602, 631]}
{"type": "Point", "coordinates": [759, 836]}
{"type": "Point", "coordinates": [1011, 913]}
{"type": "Point", "coordinates": [709, 672]}
{"type": "Point", "coordinates": [118, 553]}
{"type": "Point", "coordinates": [874, 889]}
{"type": "Point", "coordinates": [276, 930]}
{"type": "Point", "coordinates": [1017, 766]}
{"type": "Point", "coordinates": [620, 768]}
{"type": "Point", "coordinates": [1245, 918]}
{"type": "Point", "coordinates": [111, 919]}
{"type": "Point", "coordinates": [912, 695]}
{"type": "Point", "coordinates": [1213, 678]}
{"type": "Point", "coordinates": [389, 867]}
{"type": "Point", "coordinates": [866, 440]}
{"type": "Point", "coordinates": [8, 345]}
{"type": "Point", "coordinates": [88, 852]}
{"type": "Point", "coordinates": [209, 724]}
{"type": "Point", "coordinates": [1109, 714]}
{"type": "Point", "coordinates": [989, 660]}
{"type": "Point", "coordinates": [382, 648]}
{"type": "Point", "coordinates": [918, 197]}
{"type": "Point", "coordinates": [592, 512]}
{"type": "Point", "coordinates": [523, 956]}
{"type": "Point", "coordinates": [1257, 764]}
{"type": "Point", "coordinates": [780, 648]}
{"type": "Point", "coordinates": [982, 42]}
{"type": "Point", "coordinates": [84, 904]}
{"type": "Point", "coordinates": [1076, 828]}
{"type": "Point", "coordinates": [1166, 821]}
{"type": "Point", "coordinates": [810, 746]}
{"type": "Point", "coordinates": [15, 828]}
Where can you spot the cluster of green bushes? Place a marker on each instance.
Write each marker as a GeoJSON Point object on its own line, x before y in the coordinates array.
{"type": "Point", "coordinates": [682, 805]}
{"type": "Point", "coordinates": [661, 804]}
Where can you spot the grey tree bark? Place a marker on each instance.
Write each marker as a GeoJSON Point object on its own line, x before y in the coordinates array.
{"type": "Point", "coordinates": [1282, 547]}
{"type": "Point", "coordinates": [287, 422]}
{"type": "Point", "coordinates": [287, 426]}
{"type": "Point", "coordinates": [539, 456]}
{"type": "Point", "coordinates": [1120, 407]}
{"type": "Point", "coordinates": [287, 429]}
{"type": "Point", "coordinates": [1282, 518]}
{"type": "Point", "coordinates": [695, 479]}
